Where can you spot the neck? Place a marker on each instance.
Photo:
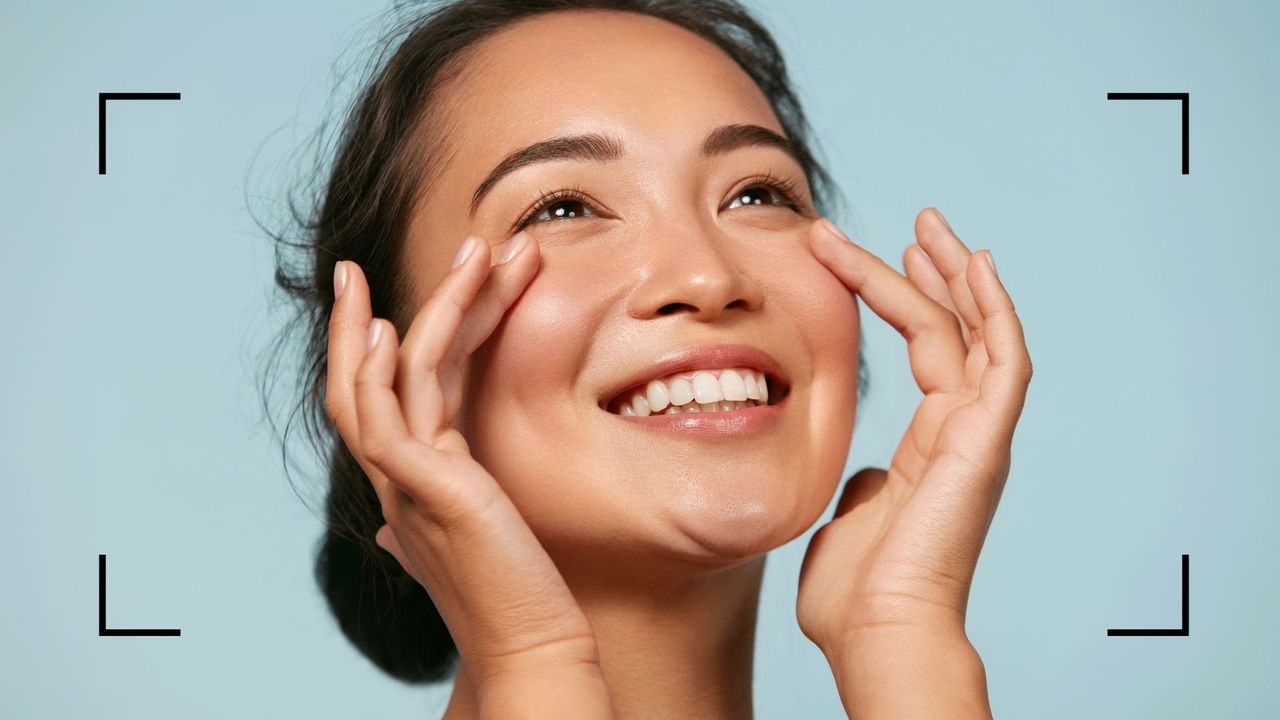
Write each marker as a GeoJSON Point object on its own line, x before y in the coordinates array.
{"type": "Point", "coordinates": [675, 649]}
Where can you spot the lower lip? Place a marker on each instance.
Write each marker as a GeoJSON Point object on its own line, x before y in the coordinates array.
{"type": "Point", "coordinates": [735, 423]}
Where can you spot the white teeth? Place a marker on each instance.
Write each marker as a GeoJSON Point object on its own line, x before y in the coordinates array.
{"type": "Point", "coordinates": [700, 391]}
{"type": "Point", "coordinates": [706, 389]}
{"type": "Point", "coordinates": [657, 395]}
{"type": "Point", "coordinates": [681, 392]}
{"type": "Point", "coordinates": [640, 406]}
{"type": "Point", "coordinates": [733, 386]}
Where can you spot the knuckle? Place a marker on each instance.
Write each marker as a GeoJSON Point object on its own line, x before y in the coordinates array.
{"type": "Point", "coordinates": [365, 380]}
{"type": "Point", "coordinates": [379, 453]}
{"type": "Point", "coordinates": [1023, 370]}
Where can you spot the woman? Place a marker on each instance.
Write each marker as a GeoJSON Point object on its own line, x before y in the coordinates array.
{"type": "Point", "coordinates": [591, 352]}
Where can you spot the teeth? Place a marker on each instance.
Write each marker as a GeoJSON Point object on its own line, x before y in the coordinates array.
{"type": "Point", "coordinates": [733, 385]}
{"type": "Point", "coordinates": [706, 388]}
{"type": "Point", "coordinates": [657, 396]}
{"type": "Point", "coordinates": [681, 392]}
{"type": "Point", "coordinates": [702, 391]}
{"type": "Point", "coordinates": [640, 406]}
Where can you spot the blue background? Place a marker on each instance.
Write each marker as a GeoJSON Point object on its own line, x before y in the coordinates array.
{"type": "Point", "coordinates": [135, 304]}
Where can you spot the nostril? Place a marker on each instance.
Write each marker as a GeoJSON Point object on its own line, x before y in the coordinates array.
{"type": "Point", "coordinates": [670, 308]}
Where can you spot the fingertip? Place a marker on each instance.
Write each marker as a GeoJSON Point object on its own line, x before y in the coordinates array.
{"type": "Point", "coordinates": [988, 291]}
{"type": "Point", "coordinates": [465, 251]}
{"type": "Point", "coordinates": [914, 250]}
{"type": "Point", "coordinates": [339, 279]}
{"type": "Point", "coordinates": [938, 216]}
{"type": "Point", "coordinates": [824, 236]}
{"type": "Point", "coordinates": [515, 246]}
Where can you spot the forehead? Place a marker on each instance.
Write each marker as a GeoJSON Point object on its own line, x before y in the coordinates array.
{"type": "Point", "coordinates": [653, 84]}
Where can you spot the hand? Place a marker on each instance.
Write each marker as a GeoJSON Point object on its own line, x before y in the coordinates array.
{"type": "Point", "coordinates": [901, 550]}
{"type": "Point", "coordinates": [449, 523]}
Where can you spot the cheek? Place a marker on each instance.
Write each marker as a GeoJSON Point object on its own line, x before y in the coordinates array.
{"type": "Point", "coordinates": [825, 313]}
{"type": "Point", "coordinates": [521, 397]}
{"type": "Point", "coordinates": [526, 369]}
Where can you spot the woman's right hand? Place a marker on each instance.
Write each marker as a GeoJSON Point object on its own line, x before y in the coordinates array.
{"type": "Point", "coordinates": [449, 524]}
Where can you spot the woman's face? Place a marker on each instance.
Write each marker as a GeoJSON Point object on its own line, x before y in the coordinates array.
{"type": "Point", "coordinates": [670, 247]}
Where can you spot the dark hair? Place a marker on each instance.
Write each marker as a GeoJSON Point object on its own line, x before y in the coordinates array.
{"type": "Point", "coordinates": [360, 212]}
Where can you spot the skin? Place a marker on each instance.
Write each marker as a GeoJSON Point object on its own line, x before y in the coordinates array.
{"type": "Point", "coordinates": [587, 568]}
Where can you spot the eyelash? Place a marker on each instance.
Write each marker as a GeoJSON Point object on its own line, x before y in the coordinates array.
{"type": "Point", "coordinates": [787, 189]}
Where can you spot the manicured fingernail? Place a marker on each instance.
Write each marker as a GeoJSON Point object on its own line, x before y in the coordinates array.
{"type": "Point", "coordinates": [339, 279]}
{"type": "Point", "coordinates": [375, 331]}
{"type": "Point", "coordinates": [465, 251]}
{"type": "Point", "coordinates": [938, 212]}
{"type": "Point", "coordinates": [514, 247]}
{"type": "Point", "coordinates": [991, 263]}
{"type": "Point", "coordinates": [835, 231]}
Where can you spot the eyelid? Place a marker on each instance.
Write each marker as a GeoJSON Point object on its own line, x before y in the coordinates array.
{"type": "Point", "coordinates": [788, 189]}
{"type": "Point", "coordinates": [551, 197]}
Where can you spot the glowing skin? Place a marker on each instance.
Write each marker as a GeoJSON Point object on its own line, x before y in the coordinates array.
{"type": "Point", "coordinates": [660, 536]}
{"type": "Point", "coordinates": [591, 563]}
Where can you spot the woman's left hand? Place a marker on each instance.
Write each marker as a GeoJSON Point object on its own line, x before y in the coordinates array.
{"type": "Point", "coordinates": [901, 550]}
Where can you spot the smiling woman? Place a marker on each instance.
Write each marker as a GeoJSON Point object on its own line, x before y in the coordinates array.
{"type": "Point", "coordinates": [590, 352]}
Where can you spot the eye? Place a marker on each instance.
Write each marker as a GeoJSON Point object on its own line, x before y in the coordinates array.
{"type": "Point", "coordinates": [557, 205]}
{"type": "Point", "coordinates": [768, 190]}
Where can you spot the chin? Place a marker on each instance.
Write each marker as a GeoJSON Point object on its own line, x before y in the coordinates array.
{"type": "Point", "coordinates": [725, 528]}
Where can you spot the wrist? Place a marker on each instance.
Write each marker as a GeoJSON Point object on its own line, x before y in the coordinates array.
{"type": "Point", "coordinates": [911, 672]}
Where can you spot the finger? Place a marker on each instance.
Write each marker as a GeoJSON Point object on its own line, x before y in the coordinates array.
{"type": "Point", "coordinates": [385, 441]}
{"type": "Point", "coordinates": [861, 487]}
{"type": "Point", "coordinates": [348, 336]}
{"type": "Point", "coordinates": [1003, 386]}
{"type": "Point", "coordinates": [935, 345]}
{"type": "Point", "coordinates": [386, 540]}
{"type": "Point", "coordinates": [463, 312]}
{"type": "Point", "coordinates": [951, 257]}
{"type": "Point", "coordinates": [921, 270]}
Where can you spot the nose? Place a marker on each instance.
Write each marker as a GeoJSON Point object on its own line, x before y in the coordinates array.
{"type": "Point", "coordinates": [695, 270]}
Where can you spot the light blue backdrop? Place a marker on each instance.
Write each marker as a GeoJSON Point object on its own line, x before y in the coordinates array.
{"type": "Point", "coordinates": [134, 304]}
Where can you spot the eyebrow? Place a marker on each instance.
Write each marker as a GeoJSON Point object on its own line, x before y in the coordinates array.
{"type": "Point", "coordinates": [595, 147]}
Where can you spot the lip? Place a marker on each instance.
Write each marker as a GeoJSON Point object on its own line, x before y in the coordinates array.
{"type": "Point", "coordinates": [735, 423]}
{"type": "Point", "coordinates": [705, 357]}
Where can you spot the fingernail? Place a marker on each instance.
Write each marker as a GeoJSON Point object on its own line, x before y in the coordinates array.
{"type": "Point", "coordinates": [375, 331]}
{"type": "Point", "coordinates": [991, 263]}
{"type": "Point", "coordinates": [464, 252]}
{"type": "Point", "coordinates": [938, 212]}
{"type": "Point", "coordinates": [831, 228]}
{"type": "Point", "coordinates": [339, 279]}
{"type": "Point", "coordinates": [514, 247]}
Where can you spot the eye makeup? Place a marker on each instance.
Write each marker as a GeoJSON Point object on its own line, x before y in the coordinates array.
{"type": "Point", "coordinates": [787, 190]}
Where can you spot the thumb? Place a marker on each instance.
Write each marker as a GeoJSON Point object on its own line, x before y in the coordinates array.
{"type": "Point", "coordinates": [386, 540]}
{"type": "Point", "coordinates": [860, 488]}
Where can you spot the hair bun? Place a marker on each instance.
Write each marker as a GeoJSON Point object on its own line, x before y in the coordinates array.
{"type": "Point", "coordinates": [383, 611]}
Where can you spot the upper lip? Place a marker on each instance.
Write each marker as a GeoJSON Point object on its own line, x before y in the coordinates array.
{"type": "Point", "coordinates": [705, 357]}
